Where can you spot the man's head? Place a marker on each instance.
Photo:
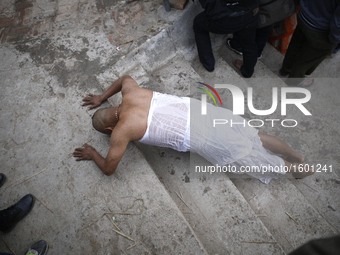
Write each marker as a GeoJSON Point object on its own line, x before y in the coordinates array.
{"type": "Point", "coordinates": [104, 120]}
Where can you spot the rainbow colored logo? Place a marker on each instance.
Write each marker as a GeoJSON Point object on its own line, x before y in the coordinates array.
{"type": "Point", "coordinates": [210, 91]}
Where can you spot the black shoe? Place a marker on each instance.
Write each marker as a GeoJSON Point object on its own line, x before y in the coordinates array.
{"type": "Point", "coordinates": [208, 68]}
{"type": "Point", "coordinates": [38, 248]}
{"type": "Point", "coordinates": [15, 213]}
{"type": "Point", "coordinates": [2, 179]}
{"type": "Point", "coordinates": [228, 44]}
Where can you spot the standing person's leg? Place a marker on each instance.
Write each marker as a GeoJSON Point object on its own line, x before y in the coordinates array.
{"type": "Point", "coordinates": [309, 60]}
{"type": "Point", "coordinates": [244, 26]}
{"type": "Point", "coordinates": [315, 49]}
{"type": "Point", "coordinates": [247, 41]}
{"type": "Point", "coordinates": [203, 42]}
{"type": "Point", "coordinates": [336, 49]}
{"type": "Point", "coordinates": [325, 246]}
{"type": "Point", "coordinates": [317, 61]}
{"type": "Point", "coordinates": [234, 44]}
{"type": "Point", "coordinates": [293, 52]}
{"type": "Point", "coordinates": [319, 47]}
{"type": "Point", "coordinates": [262, 35]}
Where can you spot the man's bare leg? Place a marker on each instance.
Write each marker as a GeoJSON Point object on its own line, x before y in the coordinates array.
{"type": "Point", "coordinates": [293, 159]}
{"type": "Point", "coordinates": [277, 146]}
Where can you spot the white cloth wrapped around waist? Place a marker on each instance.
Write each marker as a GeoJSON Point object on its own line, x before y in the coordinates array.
{"type": "Point", "coordinates": [168, 122]}
{"type": "Point", "coordinates": [177, 123]}
{"type": "Point", "coordinates": [222, 144]}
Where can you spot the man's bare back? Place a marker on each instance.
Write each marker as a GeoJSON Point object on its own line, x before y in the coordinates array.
{"type": "Point", "coordinates": [133, 110]}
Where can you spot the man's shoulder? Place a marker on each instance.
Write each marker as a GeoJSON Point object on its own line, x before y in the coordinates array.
{"type": "Point", "coordinates": [127, 132]}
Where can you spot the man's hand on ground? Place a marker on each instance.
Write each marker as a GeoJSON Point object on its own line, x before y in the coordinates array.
{"type": "Point", "coordinates": [84, 153]}
{"type": "Point", "coordinates": [92, 101]}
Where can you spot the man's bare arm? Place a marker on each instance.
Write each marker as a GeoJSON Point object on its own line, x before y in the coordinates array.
{"type": "Point", "coordinates": [118, 85]}
{"type": "Point", "coordinates": [119, 141]}
{"type": "Point", "coordinates": [107, 165]}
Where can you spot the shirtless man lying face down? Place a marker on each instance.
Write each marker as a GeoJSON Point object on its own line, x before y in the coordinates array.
{"type": "Point", "coordinates": [164, 120]}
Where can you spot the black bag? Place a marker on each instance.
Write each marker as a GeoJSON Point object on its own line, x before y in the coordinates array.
{"type": "Point", "coordinates": [272, 11]}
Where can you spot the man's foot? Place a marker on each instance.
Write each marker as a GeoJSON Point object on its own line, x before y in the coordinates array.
{"type": "Point", "coordinates": [295, 158]}
{"type": "Point", "coordinates": [228, 44]}
{"type": "Point", "coordinates": [300, 175]}
{"type": "Point", "coordinates": [38, 248]}
{"type": "Point", "coordinates": [2, 179]}
{"type": "Point", "coordinates": [299, 171]}
{"type": "Point", "coordinates": [15, 213]}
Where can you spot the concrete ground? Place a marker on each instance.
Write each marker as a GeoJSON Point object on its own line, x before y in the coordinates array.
{"type": "Point", "coordinates": [53, 52]}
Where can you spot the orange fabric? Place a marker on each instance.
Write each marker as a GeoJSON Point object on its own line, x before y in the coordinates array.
{"type": "Point", "coordinates": [281, 41]}
{"type": "Point", "coordinates": [289, 26]}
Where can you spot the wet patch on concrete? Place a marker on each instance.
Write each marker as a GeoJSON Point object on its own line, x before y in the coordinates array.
{"type": "Point", "coordinates": [72, 68]}
{"type": "Point", "coordinates": [77, 51]}
{"type": "Point", "coordinates": [126, 24]}
{"type": "Point", "coordinates": [129, 22]}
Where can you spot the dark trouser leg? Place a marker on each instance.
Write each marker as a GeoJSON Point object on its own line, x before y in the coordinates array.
{"type": "Point", "coordinates": [314, 48]}
{"type": "Point", "coordinates": [310, 60]}
{"type": "Point", "coordinates": [203, 42]}
{"type": "Point", "coordinates": [314, 51]}
{"type": "Point", "coordinates": [245, 26]}
{"type": "Point", "coordinates": [336, 49]}
{"type": "Point", "coordinates": [318, 48]}
{"type": "Point", "coordinates": [235, 43]}
{"type": "Point", "coordinates": [247, 41]}
{"type": "Point", "coordinates": [262, 35]}
{"type": "Point", "coordinates": [326, 246]}
{"type": "Point", "coordinates": [294, 49]}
